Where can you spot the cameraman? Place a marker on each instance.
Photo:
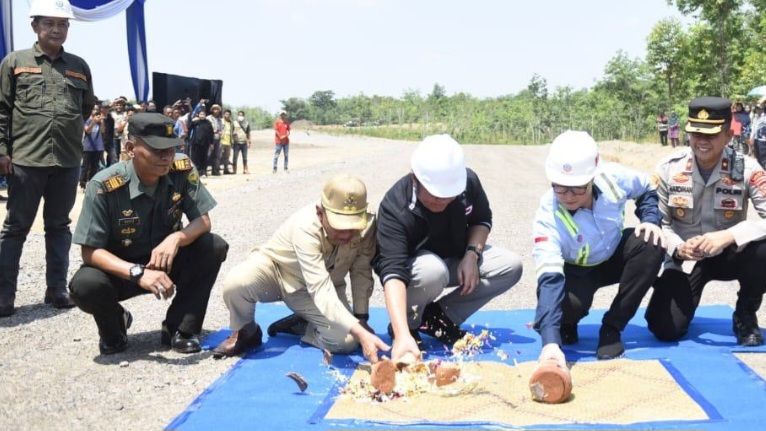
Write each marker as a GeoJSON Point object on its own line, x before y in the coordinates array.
{"type": "Point", "coordinates": [92, 147]}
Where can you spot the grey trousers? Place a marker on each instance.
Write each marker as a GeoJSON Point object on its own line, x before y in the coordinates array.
{"type": "Point", "coordinates": [257, 279]}
{"type": "Point", "coordinates": [431, 275]}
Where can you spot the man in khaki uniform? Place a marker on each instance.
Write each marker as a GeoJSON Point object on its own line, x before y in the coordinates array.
{"type": "Point", "coordinates": [45, 94]}
{"type": "Point", "coordinates": [304, 264]}
{"type": "Point", "coordinates": [703, 196]}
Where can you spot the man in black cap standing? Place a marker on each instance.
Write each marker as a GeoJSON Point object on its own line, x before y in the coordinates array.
{"type": "Point", "coordinates": [703, 197]}
{"type": "Point", "coordinates": [133, 241]}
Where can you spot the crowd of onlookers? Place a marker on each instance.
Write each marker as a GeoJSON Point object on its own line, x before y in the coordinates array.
{"type": "Point", "coordinates": [212, 137]}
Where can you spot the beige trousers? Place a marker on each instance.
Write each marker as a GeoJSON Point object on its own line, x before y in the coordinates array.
{"type": "Point", "coordinates": [258, 279]}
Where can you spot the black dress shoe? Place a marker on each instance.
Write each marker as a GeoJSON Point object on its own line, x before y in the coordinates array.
{"type": "Point", "coordinates": [112, 345]}
{"type": "Point", "coordinates": [58, 299]}
{"type": "Point", "coordinates": [415, 334]}
{"type": "Point", "coordinates": [436, 324]}
{"type": "Point", "coordinates": [745, 326]}
{"type": "Point", "coordinates": [569, 334]}
{"type": "Point", "coordinates": [6, 307]}
{"type": "Point", "coordinates": [609, 343]}
{"type": "Point", "coordinates": [185, 343]}
{"type": "Point", "coordinates": [167, 332]}
{"type": "Point", "coordinates": [291, 325]}
{"type": "Point", "coordinates": [115, 343]}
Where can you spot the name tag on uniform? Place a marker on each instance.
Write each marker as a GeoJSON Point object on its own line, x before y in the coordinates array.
{"type": "Point", "coordinates": [681, 201]}
{"type": "Point", "coordinates": [129, 221]}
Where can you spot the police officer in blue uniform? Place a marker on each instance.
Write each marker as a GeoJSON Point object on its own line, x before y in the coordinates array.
{"type": "Point", "coordinates": [133, 241]}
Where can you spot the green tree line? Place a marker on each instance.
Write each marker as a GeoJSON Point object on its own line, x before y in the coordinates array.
{"type": "Point", "coordinates": [721, 52]}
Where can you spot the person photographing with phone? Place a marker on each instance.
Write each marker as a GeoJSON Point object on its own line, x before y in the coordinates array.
{"type": "Point", "coordinates": [92, 147]}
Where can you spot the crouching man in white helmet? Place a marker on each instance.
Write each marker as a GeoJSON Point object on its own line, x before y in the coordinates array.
{"type": "Point", "coordinates": [432, 234]}
{"type": "Point", "coordinates": [580, 245]}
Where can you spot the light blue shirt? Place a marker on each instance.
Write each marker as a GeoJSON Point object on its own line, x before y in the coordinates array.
{"type": "Point", "coordinates": [586, 238]}
{"type": "Point", "coordinates": [589, 236]}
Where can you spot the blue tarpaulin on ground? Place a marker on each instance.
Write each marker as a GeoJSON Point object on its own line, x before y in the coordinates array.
{"type": "Point", "coordinates": [255, 394]}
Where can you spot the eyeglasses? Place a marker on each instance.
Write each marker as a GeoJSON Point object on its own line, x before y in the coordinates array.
{"type": "Point", "coordinates": [576, 190]}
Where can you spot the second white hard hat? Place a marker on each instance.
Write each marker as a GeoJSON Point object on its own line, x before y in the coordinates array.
{"type": "Point", "coordinates": [572, 159]}
{"type": "Point", "coordinates": [438, 163]}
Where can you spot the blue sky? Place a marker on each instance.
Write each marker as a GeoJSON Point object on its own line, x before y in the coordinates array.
{"type": "Point", "coordinates": [269, 50]}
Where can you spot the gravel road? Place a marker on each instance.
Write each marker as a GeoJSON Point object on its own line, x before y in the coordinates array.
{"type": "Point", "coordinates": [53, 377]}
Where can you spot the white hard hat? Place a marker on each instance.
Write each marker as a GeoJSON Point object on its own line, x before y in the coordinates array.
{"type": "Point", "coordinates": [51, 8]}
{"type": "Point", "coordinates": [572, 159]}
{"type": "Point", "coordinates": [439, 165]}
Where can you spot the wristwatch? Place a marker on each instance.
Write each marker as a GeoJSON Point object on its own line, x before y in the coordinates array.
{"type": "Point", "coordinates": [136, 271]}
{"type": "Point", "coordinates": [677, 256]}
{"type": "Point", "coordinates": [479, 252]}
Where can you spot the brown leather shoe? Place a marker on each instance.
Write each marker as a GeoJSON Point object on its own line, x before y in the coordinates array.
{"type": "Point", "coordinates": [58, 299]}
{"type": "Point", "coordinates": [250, 336]}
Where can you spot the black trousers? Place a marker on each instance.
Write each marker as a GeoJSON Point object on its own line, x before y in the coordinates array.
{"type": "Point", "coordinates": [194, 272]}
{"type": "Point", "coordinates": [57, 188]}
{"type": "Point", "coordinates": [112, 152]}
{"type": "Point", "coordinates": [91, 162]}
{"type": "Point", "coordinates": [634, 265]}
{"type": "Point", "coordinates": [677, 295]}
{"type": "Point", "coordinates": [199, 157]}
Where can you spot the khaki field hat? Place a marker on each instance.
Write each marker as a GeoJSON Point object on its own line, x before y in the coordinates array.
{"type": "Point", "coordinates": [344, 199]}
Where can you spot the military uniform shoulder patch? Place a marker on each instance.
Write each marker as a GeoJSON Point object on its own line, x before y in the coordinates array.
{"type": "Point", "coordinates": [114, 182]}
{"type": "Point", "coordinates": [182, 164]}
{"type": "Point", "coordinates": [193, 177]}
{"type": "Point", "coordinates": [20, 70]}
{"type": "Point", "coordinates": [78, 75]}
